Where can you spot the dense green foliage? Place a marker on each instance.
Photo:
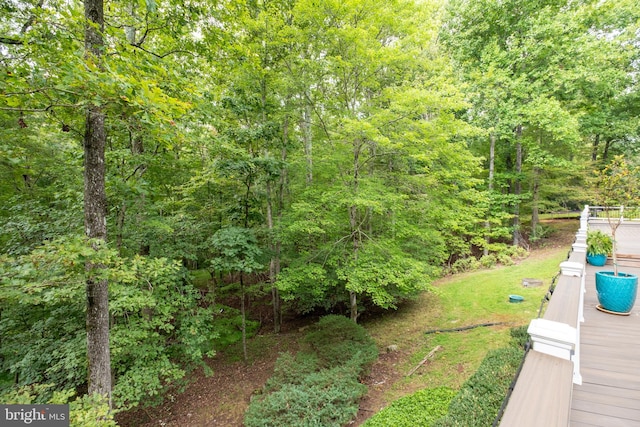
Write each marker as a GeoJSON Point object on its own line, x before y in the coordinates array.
{"type": "Point", "coordinates": [158, 329]}
{"type": "Point", "coordinates": [332, 155]}
{"type": "Point", "coordinates": [85, 411]}
{"type": "Point", "coordinates": [422, 408]}
{"type": "Point", "coordinates": [599, 243]}
{"type": "Point", "coordinates": [336, 342]}
{"type": "Point", "coordinates": [319, 386]}
{"type": "Point", "coordinates": [476, 404]}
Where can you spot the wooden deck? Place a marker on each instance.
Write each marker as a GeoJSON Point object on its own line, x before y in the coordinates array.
{"type": "Point", "coordinates": [605, 389]}
{"type": "Point", "coordinates": [610, 351]}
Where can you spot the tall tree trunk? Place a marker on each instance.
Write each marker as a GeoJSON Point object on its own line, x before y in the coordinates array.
{"type": "Point", "coordinates": [517, 235]}
{"type": "Point", "coordinates": [355, 226]}
{"type": "Point", "coordinates": [277, 303]}
{"type": "Point", "coordinates": [244, 318]}
{"type": "Point", "coordinates": [95, 208]}
{"type": "Point", "coordinates": [308, 141]}
{"type": "Point", "coordinates": [594, 149]}
{"type": "Point", "coordinates": [535, 219]}
{"type": "Point", "coordinates": [605, 153]}
{"type": "Point", "coordinates": [492, 161]}
{"type": "Point", "coordinates": [273, 263]}
{"type": "Point", "coordinates": [353, 298]}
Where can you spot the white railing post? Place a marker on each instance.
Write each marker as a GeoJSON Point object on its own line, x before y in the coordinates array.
{"type": "Point", "coordinates": [553, 338]}
{"type": "Point", "coordinates": [560, 339]}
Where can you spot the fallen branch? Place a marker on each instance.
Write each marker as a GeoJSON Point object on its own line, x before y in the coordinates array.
{"type": "Point", "coordinates": [464, 328]}
{"type": "Point", "coordinates": [423, 361]}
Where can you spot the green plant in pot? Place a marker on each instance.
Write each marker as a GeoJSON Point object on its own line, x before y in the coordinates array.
{"type": "Point", "coordinates": [599, 246]}
{"type": "Point", "coordinates": [617, 186]}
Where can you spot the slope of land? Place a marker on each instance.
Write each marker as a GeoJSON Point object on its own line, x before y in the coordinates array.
{"type": "Point", "coordinates": [221, 399]}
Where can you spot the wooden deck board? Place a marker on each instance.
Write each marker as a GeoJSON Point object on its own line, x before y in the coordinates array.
{"type": "Point", "coordinates": [603, 398]}
{"type": "Point", "coordinates": [594, 419]}
{"type": "Point", "coordinates": [564, 308]}
{"type": "Point", "coordinates": [524, 412]}
{"type": "Point", "coordinates": [607, 391]}
{"type": "Point", "coordinates": [606, 409]}
{"type": "Point", "coordinates": [610, 352]}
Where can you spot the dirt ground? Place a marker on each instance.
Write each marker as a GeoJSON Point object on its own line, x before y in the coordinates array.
{"type": "Point", "coordinates": [221, 399]}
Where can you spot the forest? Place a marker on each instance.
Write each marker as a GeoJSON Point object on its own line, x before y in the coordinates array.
{"type": "Point", "coordinates": [176, 175]}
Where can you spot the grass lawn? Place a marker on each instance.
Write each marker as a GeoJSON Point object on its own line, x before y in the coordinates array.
{"type": "Point", "coordinates": [458, 301]}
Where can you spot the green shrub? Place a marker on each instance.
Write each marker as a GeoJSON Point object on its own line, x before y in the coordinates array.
{"type": "Point", "coordinates": [328, 397]}
{"type": "Point", "coordinates": [488, 261]}
{"type": "Point", "coordinates": [465, 264]}
{"type": "Point", "coordinates": [337, 339]}
{"type": "Point", "coordinates": [319, 386]}
{"type": "Point", "coordinates": [227, 322]}
{"type": "Point", "coordinates": [481, 396]}
{"type": "Point", "coordinates": [542, 231]}
{"type": "Point", "coordinates": [519, 336]}
{"type": "Point", "coordinates": [158, 328]}
{"type": "Point", "coordinates": [516, 252]}
{"type": "Point", "coordinates": [505, 259]}
{"type": "Point", "coordinates": [291, 369]}
{"type": "Point", "coordinates": [599, 243]}
{"type": "Point", "coordinates": [84, 411]}
{"type": "Point", "coordinates": [422, 408]}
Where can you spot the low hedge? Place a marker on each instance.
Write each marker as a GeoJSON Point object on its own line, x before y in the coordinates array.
{"type": "Point", "coordinates": [319, 386]}
{"type": "Point", "coordinates": [476, 404]}
{"type": "Point", "coordinates": [337, 339]}
{"type": "Point", "coordinates": [422, 408]}
{"type": "Point", "coordinates": [481, 396]}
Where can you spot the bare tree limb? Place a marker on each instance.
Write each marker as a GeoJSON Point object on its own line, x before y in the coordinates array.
{"type": "Point", "coordinates": [423, 361]}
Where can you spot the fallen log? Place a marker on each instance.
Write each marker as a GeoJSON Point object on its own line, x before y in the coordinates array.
{"type": "Point", "coordinates": [464, 328]}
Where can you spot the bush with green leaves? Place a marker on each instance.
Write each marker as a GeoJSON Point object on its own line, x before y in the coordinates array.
{"type": "Point", "coordinates": [328, 397]}
{"type": "Point", "coordinates": [421, 408]}
{"type": "Point", "coordinates": [519, 336]}
{"type": "Point", "coordinates": [480, 398]}
{"type": "Point", "coordinates": [289, 369]}
{"type": "Point", "coordinates": [465, 264]}
{"type": "Point", "coordinates": [84, 411]}
{"type": "Point", "coordinates": [476, 404]}
{"type": "Point", "coordinates": [499, 254]}
{"type": "Point", "coordinates": [336, 340]}
{"type": "Point", "coordinates": [158, 328]}
{"type": "Point", "coordinates": [488, 261]}
{"type": "Point", "coordinates": [319, 386]}
{"type": "Point", "coordinates": [227, 322]}
{"type": "Point", "coordinates": [505, 260]}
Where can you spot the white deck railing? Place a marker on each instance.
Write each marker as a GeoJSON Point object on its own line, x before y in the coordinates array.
{"type": "Point", "coordinates": [537, 398]}
{"type": "Point", "coordinates": [625, 213]}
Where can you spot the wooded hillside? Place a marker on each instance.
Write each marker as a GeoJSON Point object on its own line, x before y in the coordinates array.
{"type": "Point", "coordinates": [205, 161]}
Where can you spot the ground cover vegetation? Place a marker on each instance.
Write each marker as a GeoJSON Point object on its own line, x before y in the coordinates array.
{"type": "Point", "coordinates": [169, 169]}
{"type": "Point", "coordinates": [477, 403]}
{"type": "Point", "coordinates": [319, 385]}
{"type": "Point", "coordinates": [455, 369]}
{"type": "Point", "coordinates": [433, 321]}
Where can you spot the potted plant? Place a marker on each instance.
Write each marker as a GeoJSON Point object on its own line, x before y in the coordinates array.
{"type": "Point", "coordinates": [599, 246]}
{"type": "Point", "coordinates": [617, 186]}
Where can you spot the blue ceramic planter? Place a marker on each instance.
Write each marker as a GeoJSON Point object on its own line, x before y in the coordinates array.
{"type": "Point", "coordinates": [597, 260]}
{"type": "Point", "coordinates": [616, 293]}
